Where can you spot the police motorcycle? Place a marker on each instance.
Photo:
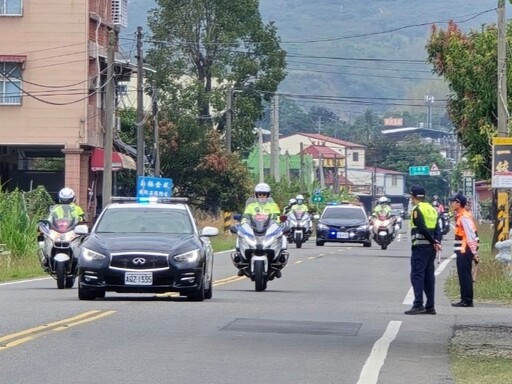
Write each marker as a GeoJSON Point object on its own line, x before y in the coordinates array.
{"type": "Point", "coordinates": [300, 226]}
{"type": "Point", "coordinates": [384, 229]}
{"type": "Point", "coordinates": [59, 248]}
{"type": "Point", "coordinates": [261, 248]}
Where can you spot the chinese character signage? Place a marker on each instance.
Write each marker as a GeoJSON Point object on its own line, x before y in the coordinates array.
{"type": "Point", "coordinates": [154, 186]}
{"type": "Point", "coordinates": [502, 162]}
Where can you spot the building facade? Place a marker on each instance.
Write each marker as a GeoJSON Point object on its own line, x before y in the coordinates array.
{"type": "Point", "coordinates": [52, 91]}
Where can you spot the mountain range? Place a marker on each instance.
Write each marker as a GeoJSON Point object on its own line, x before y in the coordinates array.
{"type": "Point", "coordinates": [357, 54]}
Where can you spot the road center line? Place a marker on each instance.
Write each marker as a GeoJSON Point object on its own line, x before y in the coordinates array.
{"type": "Point", "coordinates": [21, 337]}
{"type": "Point", "coordinates": [372, 366]}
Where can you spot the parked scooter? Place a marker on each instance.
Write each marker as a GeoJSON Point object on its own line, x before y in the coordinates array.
{"type": "Point", "coordinates": [261, 249]}
{"type": "Point", "coordinates": [59, 249]}
{"type": "Point", "coordinates": [384, 229]}
{"type": "Point", "coordinates": [300, 226]}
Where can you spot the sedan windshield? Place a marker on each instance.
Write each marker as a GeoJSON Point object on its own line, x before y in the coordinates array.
{"type": "Point", "coordinates": [344, 213]}
{"type": "Point", "coordinates": [145, 220]}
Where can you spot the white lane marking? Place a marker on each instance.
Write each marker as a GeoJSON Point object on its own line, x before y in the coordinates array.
{"type": "Point", "coordinates": [409, 298]}
{"type": "Point", "coordinates": [24, 281]}
{"type": "Point", "coordinates": [372, 366]}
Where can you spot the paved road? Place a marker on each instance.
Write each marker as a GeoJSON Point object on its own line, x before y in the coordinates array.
{"type": "Point", "coordinates": [336, 316]}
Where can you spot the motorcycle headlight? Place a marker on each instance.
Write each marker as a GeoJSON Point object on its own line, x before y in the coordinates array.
{"type": "Point", "coordinates": [56, 236]}
{"type": "Point", "coordinates": [322, 226]}
{"type": "Point", "coordinates": [189, 257]}
{"type": "Point", "coordinates": [268, 241]}
{"type": "Point", "coordinates": [90, 255]}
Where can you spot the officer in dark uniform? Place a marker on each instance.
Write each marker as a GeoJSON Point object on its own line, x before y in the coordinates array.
{"type": "Point", "coordinates": [426, 242]}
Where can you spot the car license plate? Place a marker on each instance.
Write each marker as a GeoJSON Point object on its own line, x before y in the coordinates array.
{"type": "Point", "coordinates": [342, 235]}
{"type": "Point", "coordinates": [138, 278]}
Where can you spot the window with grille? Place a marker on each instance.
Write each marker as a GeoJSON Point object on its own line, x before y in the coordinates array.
{"type": "Point", "coordinates": [11, 7]}
{"type": "Point", "coordinates": [120, 12]}
{"type": "Point", "coordinates": [10, 84]}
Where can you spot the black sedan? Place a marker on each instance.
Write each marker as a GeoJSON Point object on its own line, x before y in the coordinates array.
{"type": "Point", "coordinates": [146, 247]}
{"type": "Point", "coordinates": [346, 223]}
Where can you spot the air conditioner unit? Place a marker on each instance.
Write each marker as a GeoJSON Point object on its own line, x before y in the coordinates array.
{"type": "Point", "coordinates": [120, 12]}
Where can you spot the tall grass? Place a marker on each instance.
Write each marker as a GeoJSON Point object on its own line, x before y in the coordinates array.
{"type": "Point", "coordinates": [493, 281]}
{"type": "Point", "coordinates": [225, 240]}
{"type": "Point", "coordinates": [18, 231]}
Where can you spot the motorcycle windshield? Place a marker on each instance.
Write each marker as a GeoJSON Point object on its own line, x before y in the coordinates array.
{"type": "Point", "coordinates": [260, 222]}
{"type": "Point", "coordinates": [63, 225]}
{"type": "Point", "coordinates": [382, 216]}
{"type": "Point", "coordinates": [299, 214]}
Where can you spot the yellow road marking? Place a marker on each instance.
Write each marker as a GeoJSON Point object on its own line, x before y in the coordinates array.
{"type": "Point", "coordinates": [14, 339]}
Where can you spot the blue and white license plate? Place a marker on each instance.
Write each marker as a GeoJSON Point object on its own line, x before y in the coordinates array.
{"type": "Point", "coordinates": [342, 235]}
{"type": "Point", "coordinates": [138, 278]}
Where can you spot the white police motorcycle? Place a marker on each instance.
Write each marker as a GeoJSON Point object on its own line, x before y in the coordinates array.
{"type": "Point", "coordinates": [300, 226]}
{"type": "Point", "coordinates": [58, 249]}
{"type": "Point", "coordinates": [261, 248]}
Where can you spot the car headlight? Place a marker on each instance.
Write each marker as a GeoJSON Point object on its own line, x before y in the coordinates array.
{"type": "Point", "coordinates": [362, 227]}
{"type": "Point", "coordinates": [90, 255]}
{"type": "Point", "coordinates": [190, 257]}
{"type": "Point", "coordinates": [322, 226]}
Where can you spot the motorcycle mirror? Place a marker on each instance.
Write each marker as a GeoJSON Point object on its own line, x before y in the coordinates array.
{"type": "Point", "coordinates": [233, 229]}
{"type": "Point", "coordinates": [237, 216]}
{"type": "Point", "coordinates": [81, 229]}
{"type": "Point", "coordinates": [283, 218]}
{"type": "Point", "coordinates": [316, 217]}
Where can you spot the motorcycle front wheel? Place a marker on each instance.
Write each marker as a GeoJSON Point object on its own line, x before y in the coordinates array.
{"type": "Point", "coordinates": [298, 240]}
{"type": "Point", "coordinates": [60, 274]}
{"type": "Point", "coordinates": [260, 280]}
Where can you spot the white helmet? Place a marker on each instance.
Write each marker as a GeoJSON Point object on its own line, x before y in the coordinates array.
{"type": "Point", "coordinates": [66, 196]}
{"type": "Point", "coordinates": [300, 199]}
{"type": "Point", "coordinates": [292, 202]}
{"type": "Point", "coordinates": [262, 192]}
{"type": "Point", "coordinates": [383, 200]}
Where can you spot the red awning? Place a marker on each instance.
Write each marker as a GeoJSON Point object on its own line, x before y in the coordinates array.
{"type": "Point", "coordinates": [119, 160]}
{"type": "Point", "coordinates": [12, 58]}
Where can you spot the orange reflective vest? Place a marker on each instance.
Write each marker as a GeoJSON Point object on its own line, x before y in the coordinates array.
{"type": "Point", "coordinates": [466, 234]}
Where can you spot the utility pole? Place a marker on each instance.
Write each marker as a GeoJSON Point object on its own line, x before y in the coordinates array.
{"type": "Point", "coordinates": [302, 181]}
{"type": "Point", "coordinates": [229, 116]}
{"type": "Point", "coordinates": [260, 155]}
{"type": "Point", "coordinates": [156, 133]}
{"type": "Point", "coordinates": [501, 227]}
{"type": "Point", "coordinates": [109, 120]}
{"type": "Point", "coordinates": [345, 171]}
{"type": "Point", "coordinates": [140, 104]}
{"type": "Point", "coordinates": [336, 178]}
{"type": "Point", "coordinates": [274, 141]}
{"type": "Point", "coordinates": [319, 124]}
{"type": "Point", "coordinates": [321, 171]}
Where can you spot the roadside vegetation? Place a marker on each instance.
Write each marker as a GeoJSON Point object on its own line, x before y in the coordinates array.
{"type": "Point", "coordinates": [482, 355]}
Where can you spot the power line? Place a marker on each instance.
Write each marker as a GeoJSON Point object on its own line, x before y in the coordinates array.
{"type": "Point", "coordinates": [365, 74]}
{"type": "Point", "coordinates": [386, 31]}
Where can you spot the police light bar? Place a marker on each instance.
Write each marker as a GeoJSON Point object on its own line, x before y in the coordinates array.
{"type": "Point", "coordinates": [148, 199]}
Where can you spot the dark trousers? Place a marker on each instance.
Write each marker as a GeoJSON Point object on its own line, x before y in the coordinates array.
{"type": "Point", "coordinates": [423, 275]}
{"type": "Point", "coordinates": [464, 266]}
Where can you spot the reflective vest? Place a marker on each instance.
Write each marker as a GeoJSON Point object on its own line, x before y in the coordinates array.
{"type": "Point", "coordinates": [430, 216]}
{"type": "Point", "coordinates": [461, 237]}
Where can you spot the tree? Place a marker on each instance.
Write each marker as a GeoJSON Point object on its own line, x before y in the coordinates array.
{"type": "Point", "coordinates": [468, 62]}
{"type": "Point", "coordinates": [201, 48]}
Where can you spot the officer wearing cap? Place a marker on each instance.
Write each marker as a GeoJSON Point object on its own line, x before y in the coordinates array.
{"type": "Point", "coordinates": [426, 242]}
{"type": "Point", "coordinates": [465, 247]}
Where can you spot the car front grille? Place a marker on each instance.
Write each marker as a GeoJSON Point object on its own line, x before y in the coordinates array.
{"type": "Point", "coordinates": [139, 261]}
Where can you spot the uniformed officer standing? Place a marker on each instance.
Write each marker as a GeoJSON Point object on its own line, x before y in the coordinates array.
{"type": "Point", "coordinates": [465, 247]}
{"type": "Point", "coordinates": [426, 242]}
